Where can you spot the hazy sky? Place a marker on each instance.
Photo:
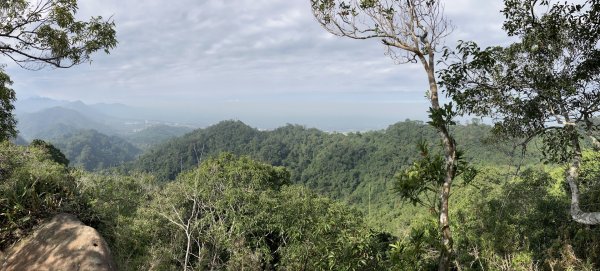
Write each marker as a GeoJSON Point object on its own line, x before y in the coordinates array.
{"type": "Point", "coordinates": [266, 62]}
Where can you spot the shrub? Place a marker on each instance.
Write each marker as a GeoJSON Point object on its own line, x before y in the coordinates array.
{"type": "Point", "coordinates": [34, 187]}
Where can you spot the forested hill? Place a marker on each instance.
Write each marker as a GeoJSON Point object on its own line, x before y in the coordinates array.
{"type": "Point", "coordinates": [156, 134]}
{"type": "Point", "coordinates": [309, 151]}
{"type": "Point", "coordinates": [93, 150]}
{"type": "Point", "coordinates": [357, 168]}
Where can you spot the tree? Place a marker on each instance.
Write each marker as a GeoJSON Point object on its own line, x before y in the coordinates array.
{"type": "Point", "coordinates": [411, 32]}
{"type": "Point", "coordinates": [55, 154]}
{"type": "Point", "coordinates": [233, 213]}
{"type": "Point", "coordinates": [34, 187]}
{"type": "Point", "coordinates": [8, 122]}
{"type": "Point", "coordinates": [546, 84]}
{"type": "Point", "coordinates": [419, 183]}
{"type": "Point", "coordinates": [36, 34]}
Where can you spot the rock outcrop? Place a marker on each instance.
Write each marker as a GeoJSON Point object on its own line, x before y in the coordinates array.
{"type": "Point", "coordinates": [64, 243]}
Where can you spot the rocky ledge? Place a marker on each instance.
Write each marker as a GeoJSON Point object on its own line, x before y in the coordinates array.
{"type": "Point", "coordinates": [63, 243]}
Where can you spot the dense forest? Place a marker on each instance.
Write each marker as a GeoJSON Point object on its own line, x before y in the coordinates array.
{"type": "Point", "coordinates": [519, 193]}
{"type": "Point", "coordinates": [155, 134]}
{"type": "Point", "coordinates": [92, 150]}
{"type": "Point", "coordinates": [356, 168]}
{"type": "Point", "coordinates": [242, 213]}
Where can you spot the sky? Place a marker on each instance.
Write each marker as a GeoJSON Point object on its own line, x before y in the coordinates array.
{"type": "Point", "coordinates": [265, 62]}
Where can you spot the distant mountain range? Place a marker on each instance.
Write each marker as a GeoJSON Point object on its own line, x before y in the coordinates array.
{"type": "Point", "coordinates": [36, 104]}
{"type": "Point", "coordinates": [46, 118]}
{"type": "Point", "coordinates": [94, 136]}
{"type": "Point", "coordinates": [55, 122]}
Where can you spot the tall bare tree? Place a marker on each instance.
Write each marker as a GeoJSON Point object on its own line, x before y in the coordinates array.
{"type": "Point", "coordinates": [412, 31]}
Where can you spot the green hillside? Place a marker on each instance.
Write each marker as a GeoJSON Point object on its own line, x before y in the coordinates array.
{"type": "Point", "coordinates": [520, 195]}
{"type": "Point", "coordinates": [155, 134]}
{"type": "Point", "coordinates": [357, 168]}
{"type": "Point", "coordinates": [93, 150]}
{"type": "Point", "coordinates": [248, 213]}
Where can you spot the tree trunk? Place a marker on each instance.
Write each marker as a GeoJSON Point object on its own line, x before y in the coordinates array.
{"type": "Point", "coordinates": [588, 218]}
{"type": "Point", "coordinates": [447, 242]}
{"type": "Point", "coordinates": [450, 157]}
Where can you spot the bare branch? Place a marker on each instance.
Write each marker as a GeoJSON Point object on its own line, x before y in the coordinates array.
{"type": "Point", "coordinates": [406, 28]}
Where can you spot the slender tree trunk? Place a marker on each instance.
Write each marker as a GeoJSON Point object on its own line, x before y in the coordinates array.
{"type": "Point", "coordinates": [450, 157]}
{"type": "Point", "coordinates": [187, 250]}
{"type": "Point", "coordinates": [444, 221]}
{"type": "Point", "coordinates": [588, 218]}
{"type": "Point", "coordinates": [447, 242]}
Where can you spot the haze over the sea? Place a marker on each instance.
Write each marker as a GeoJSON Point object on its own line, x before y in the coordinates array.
{"type": "Point", "coordinates": [265, 62]}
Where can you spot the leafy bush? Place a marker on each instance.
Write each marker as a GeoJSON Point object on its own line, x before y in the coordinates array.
{"type": "Point", "coordinates": [34, 187]}
{"type": "Point", "coordinates": [235, 213]}
{"type": "Point", "coordinates": [56, 155]}
{"type": "Point", "coordinates": [507, 222]}
{"type": "Point", "coordinates": [114, 201]}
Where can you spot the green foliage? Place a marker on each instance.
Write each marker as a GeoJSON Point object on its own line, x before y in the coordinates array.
{"type": "Point", "coordinates": [543, 85]}
{"type": "Point", "coordinates": [34, 187]}
{"type": "Point", "coordinates": [420, 183]}
{"type": "Point", "coordinates": [55, 153]}
{"type": "Point", "coordinates": [156, 134]}
{"type": "Point", "coordinates": [507, 222]}
{"type": "Point", "coordinates": [442, 117]}
{"type": "Point", "coordinates": [170, 158]}
{"type": "Point", "coordinates": [589, 182]}
{"type": "Point", "coordinates": [7, 98]}
{"type": "Point", "coordinates": [244, 214]}
{"type": "Point", "coordinates": [418, 250]}
{"type": "Point", "coordinates": [114, 202]}
{"type": "Point", "coordinates": [94, 151]}
{"type": "Point", "coordinates": [411, 31]}
{"type": "Point", "coordinates": [47, 33]}
{"type": "Point", "coordinates": [234, 213]}
{"type": "Point", "coordinates": [357, 168]}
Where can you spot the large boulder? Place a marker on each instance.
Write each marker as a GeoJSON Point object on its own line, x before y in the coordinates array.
{"type": "Point", "coordinates": [64, 243]}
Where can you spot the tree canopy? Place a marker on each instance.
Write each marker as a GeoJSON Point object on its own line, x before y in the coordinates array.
{"type": "Point", "coordinates": [36, 34]}
{"type": "Point", "coordinates": [546, 84]}
{"type": "Point", "coordinates": [56, 155]}
{"type": "Point", "coordinates": [8, 122]}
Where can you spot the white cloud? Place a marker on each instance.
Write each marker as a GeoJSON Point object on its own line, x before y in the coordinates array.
{"type": "Point", "coordinates": [218, 50]}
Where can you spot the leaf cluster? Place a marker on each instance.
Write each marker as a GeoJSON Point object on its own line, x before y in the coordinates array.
{"type": "Point", "coordinates": [40, 33]}
{"type": "Point", "coordinates": [547, 80]}
{"type": "Point", "coordinates": [8, 96]}
{"type": "Point", "coordinates": [243, 214]}
{"type": "Point", "coordinates": [421, 182]}
{"type": "Point", "coordinates": [34, 187]}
